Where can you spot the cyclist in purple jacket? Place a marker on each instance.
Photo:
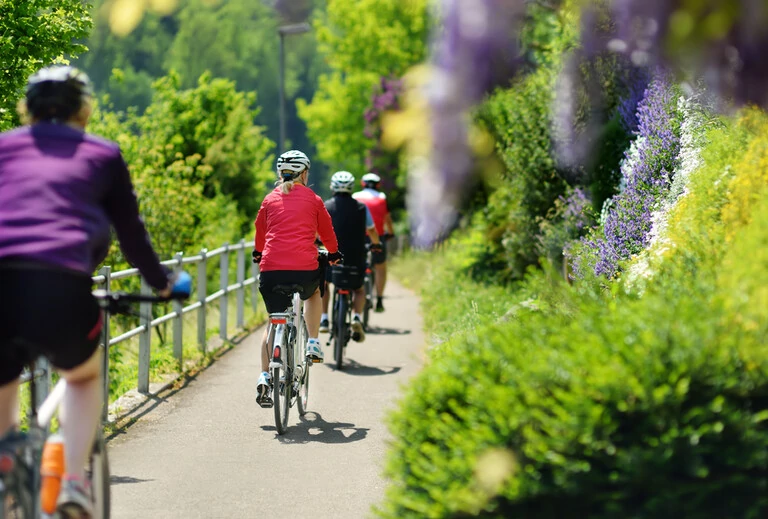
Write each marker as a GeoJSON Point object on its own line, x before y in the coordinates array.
{"type": "Point", "coordinates": [60, 190]}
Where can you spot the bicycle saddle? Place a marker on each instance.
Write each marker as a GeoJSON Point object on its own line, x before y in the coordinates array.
{"type": "Point", "coordinates": [287, 290]}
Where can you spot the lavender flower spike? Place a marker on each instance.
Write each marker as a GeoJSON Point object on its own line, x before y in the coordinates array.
{"type": "Point", "coordinates": [475, 51]}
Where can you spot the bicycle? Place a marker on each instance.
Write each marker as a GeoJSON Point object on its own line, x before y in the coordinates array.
{"type": "Point", "coordinates": [21, 453]}
{"type": "Point", "coordinates": [369, 283]}
{"type": "Point", "coordinates": [341, 327]}
{"type": "Point", "coordinates": [287, 330]}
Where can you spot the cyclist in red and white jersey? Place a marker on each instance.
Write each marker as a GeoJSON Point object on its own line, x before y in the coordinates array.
{"type": "Point", "coordinates": [376, 201]}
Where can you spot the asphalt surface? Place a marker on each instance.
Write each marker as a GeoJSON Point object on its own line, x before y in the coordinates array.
{"type": "Point", "coordinates": [208, 451]}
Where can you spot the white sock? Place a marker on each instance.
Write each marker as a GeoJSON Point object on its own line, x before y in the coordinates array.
{"type": "Point", "coordinates": [313, 339]}
{"type": "Point", "coordinates": [355, 315]}
{"type": "Point", "coordinates": [324, 317]}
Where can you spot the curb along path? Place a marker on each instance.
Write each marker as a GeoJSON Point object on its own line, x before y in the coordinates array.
{"type": "Point", "coordinates": [208, 451]}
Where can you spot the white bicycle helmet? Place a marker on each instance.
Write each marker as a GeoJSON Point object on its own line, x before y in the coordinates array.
{"type": "Point", "coordinates": [293, 161]}
{"type": "Point", "coordinates": [342, 182]}
{"type": "Point", "coordinates": [370, 179]}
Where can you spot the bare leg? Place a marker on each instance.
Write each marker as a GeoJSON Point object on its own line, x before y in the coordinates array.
{"type": "Point", "coordinates": [313, 308]}
{"type": "Point", "coordinates": [9, 398]}
{"type": "Point", "coordinates": [358, 302]}
{"type": "Point", "coordinates": [80, 412]}
{"type": "Point", "coordinates": [381, 278]}
{"type": "Point", "coordinates": [326, 299]}
{"type": "Point", "coordinates": [264, 352]}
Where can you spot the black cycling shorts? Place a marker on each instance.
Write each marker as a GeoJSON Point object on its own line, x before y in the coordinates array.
{"type": "Point", "coordinates": [309, 280]}
{"type": "Point", "coordinates": [379, 257]}
{"type": "Point", "coordinates": [47, 313]}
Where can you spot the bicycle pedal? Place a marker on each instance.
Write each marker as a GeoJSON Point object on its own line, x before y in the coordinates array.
{"type": "Point", "coordinates": [315, 360]}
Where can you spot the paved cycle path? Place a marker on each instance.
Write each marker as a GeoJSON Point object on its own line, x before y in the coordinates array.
{"type": "Point", "coordinates": [208, 451]}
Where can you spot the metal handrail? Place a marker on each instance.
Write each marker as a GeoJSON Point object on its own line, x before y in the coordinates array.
{"type": "Point", "coordinates": [201, 301]}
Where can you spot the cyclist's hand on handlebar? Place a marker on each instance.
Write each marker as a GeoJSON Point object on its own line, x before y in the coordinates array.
{"type": "Point", "coordinates": [335, 258]}
{"type": "Point", "coordinates": [179, 286]}
{"type": "Point", "coordinates": [256, 256]}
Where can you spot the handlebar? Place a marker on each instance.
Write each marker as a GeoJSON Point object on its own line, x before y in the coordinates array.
{"type": "Point", "coordinates": [119, 302]}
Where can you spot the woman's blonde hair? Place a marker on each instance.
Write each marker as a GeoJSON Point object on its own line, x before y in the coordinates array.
{"type": "Point", "coordinates": [286, 183]}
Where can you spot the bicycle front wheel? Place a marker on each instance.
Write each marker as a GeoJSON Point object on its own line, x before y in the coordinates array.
{"type": "Point", "coordinates": [341, 331]}
{"type": "Point", "coordinates": [98, 474]}
{"type": "Point", "coordinates": [281, 394]}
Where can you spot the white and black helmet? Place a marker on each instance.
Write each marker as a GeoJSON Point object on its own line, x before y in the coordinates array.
{"type": "Point", "coordinates": [370, 179]}
{"type": "Point", "coordinates": [342, 182]}
{"type": "Point", "coordinates": [293, 161]}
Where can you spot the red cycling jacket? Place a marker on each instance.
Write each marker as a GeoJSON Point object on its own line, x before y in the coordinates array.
{"type": "Point", "coordinates": [286, 227]}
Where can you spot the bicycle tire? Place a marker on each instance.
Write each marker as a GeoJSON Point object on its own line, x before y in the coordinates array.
{"type": "Point", "coordinates": [341, 332]}
{"type": "Point", "coordinates": [99, 476]}
{"type": "Point", "coordinates": [303, 396]}
{"type": "Point", "coordinates": [368, 300]}
{"type": "Point", "coordinates": [16, 503]}
{"type": "Point", "coordinates": [281, 392]}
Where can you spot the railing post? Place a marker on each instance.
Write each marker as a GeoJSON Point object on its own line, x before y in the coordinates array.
{"type": "Point", "coordinates": [43, 384]}
{"type": "Point", "coordinates": [254, 286]}
{"type": "Point", "coordinates": [145, 339]}
{"type": "Point", "coordinates": [178, 323]}
{"type": "Point", "coordinates": [241, 288]}
{"type": "Point", "coordinates": [105, 337]}
{"type": "Point", "coordinates": [202, 292]}
{"type": "Point", "coordinates": [224, 281]}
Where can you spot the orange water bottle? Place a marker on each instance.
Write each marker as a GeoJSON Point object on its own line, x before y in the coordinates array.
{"type": "Point", "coordinates": [51, 472]}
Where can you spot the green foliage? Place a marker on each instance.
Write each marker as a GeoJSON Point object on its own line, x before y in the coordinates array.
{"type": "Point", "coordinates": [362, 41]}
{"type": "Point", "coordinates": [610, 403]}
{"type": "Point", "coordinates": [236, 40]}
{"type": "Point", "coordinates": [518, 118]}
{"type": "Point", "coordinates": [199, 165]}
{"type": "Point", "coordinates": [33, 33]}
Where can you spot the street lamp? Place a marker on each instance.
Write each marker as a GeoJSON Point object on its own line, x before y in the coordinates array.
{"type": "Point", "coordinates": [283, 31]}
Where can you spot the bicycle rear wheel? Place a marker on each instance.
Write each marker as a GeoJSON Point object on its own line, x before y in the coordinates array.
{"type": "Point", "coordinates": [281, 377]}
{"type": "Point", "coordinates": [16, 503]}
{"type": "Point", "coordinates": [98, 474]}
{"type": "Point", "coordinates": [341, 331]}
{"type": "Point", "coordinates": [303, 396]}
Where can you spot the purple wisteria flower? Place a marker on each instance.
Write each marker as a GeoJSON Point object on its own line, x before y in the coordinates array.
{"type": "Point", "coordinates": [646, 174]}
{"type": "Point", "coordinates": [476, 51]}
{"type": "Point", "coordinates": [385, 97]}
{"type": "Point", "coordinates": [722, 41]}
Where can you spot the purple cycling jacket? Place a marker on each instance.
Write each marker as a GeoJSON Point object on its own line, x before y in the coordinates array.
{"type": "Point", "coordinates": [60, 189]}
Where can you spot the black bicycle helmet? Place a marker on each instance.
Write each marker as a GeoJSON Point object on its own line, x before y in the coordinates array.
{"type": "Point", "coordinates": [57, 92]}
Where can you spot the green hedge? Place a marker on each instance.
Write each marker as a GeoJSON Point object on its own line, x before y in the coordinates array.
{"type": "Point", "coordinates": [604, 401]}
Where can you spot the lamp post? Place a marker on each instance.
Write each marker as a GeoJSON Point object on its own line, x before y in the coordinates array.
{"type": "Point", "coordinates": [283, 31]}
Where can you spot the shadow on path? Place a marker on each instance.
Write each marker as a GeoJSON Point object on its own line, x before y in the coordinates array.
{"type": "Point", "coordinates": [352, 367]}
{"type": "Point", "coordinates": [119, 480]}
{"type": "Point", "coordinates": [380, 330]}
{"type": "Point", "coordinates": [312, 428]}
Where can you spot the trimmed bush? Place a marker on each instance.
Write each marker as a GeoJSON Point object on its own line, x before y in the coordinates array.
{"type": "Point", "coordinates": [612, 404]}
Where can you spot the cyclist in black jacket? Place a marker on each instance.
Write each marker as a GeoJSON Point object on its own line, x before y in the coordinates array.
{"type": "Point", "coordinates": [352, 222]}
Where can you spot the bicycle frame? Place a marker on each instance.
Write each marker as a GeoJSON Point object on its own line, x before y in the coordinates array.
{"type": "Point", "coordinates": [286, 331]}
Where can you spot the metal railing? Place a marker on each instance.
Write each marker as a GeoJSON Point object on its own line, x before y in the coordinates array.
{"type": "Point", "coordinates": [200, 305]}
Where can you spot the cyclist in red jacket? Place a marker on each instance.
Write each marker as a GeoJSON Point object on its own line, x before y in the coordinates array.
{"type": "Point", "coordinates": [376, 201]}
{"type": "Point", "coordinates": [288, 222]}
